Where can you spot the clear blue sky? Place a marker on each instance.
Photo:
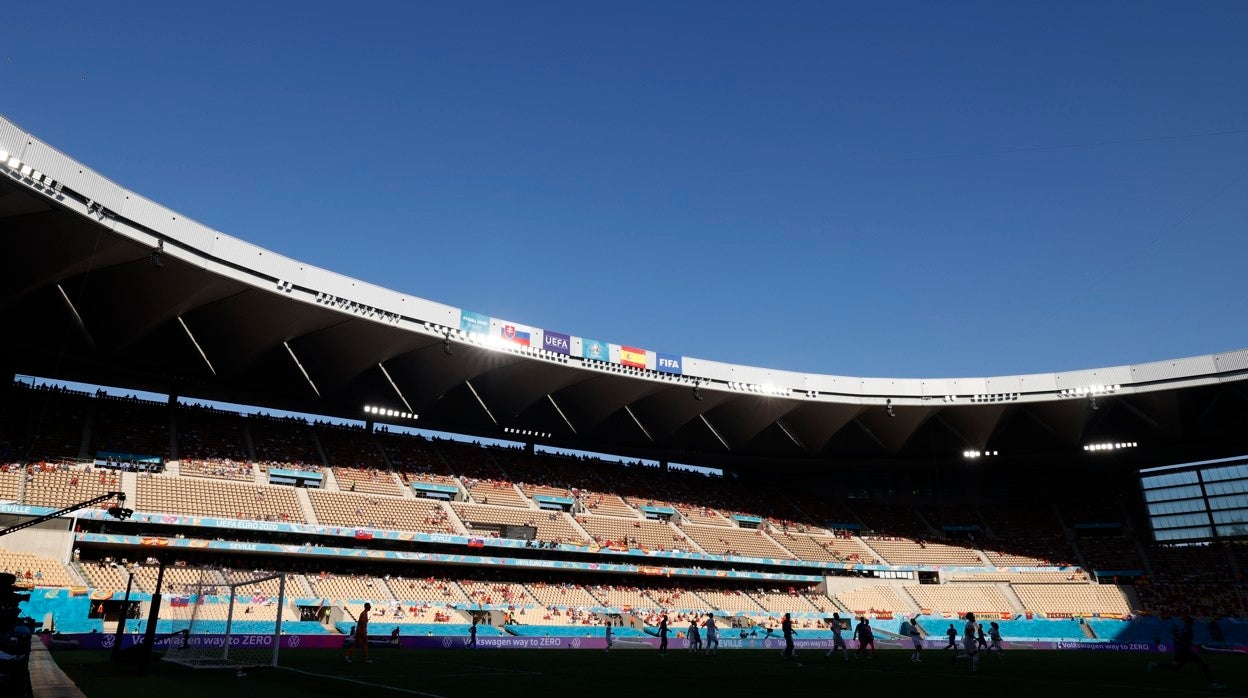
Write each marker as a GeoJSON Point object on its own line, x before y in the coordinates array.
{"type": "Point", "coordinates": [883, 189]}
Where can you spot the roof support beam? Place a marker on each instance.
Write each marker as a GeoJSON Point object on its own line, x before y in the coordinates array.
{"type": "Point", "coordinates": [794, 439]}
{"type": "Point", "coordinates": [195, 343]}
{"type": "Point", "coordinates": [82, 326]}
{"type": "Point", "coordinates": [302, 370]}
{"type": "Point", "coordinates": [398, 392]}
{"type": "Point", "coordinates": [560, 411]}
{"type": "Point", "coordinates": [481, 402]}
{"type": "Point", "coordinates": [638, 423]}
{"type": "Point", "coordinates": [714, 432]}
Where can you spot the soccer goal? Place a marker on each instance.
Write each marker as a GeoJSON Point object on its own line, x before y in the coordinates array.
{"type": "Point", "coordinates": [223, 618]}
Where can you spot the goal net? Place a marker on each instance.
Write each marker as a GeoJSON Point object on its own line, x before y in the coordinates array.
{"type": "Point", "coordinates": [224, 618]}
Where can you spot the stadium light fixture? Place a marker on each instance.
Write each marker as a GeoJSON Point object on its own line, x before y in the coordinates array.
{"type": "Point", "coordinates": [1111, 446]}
{"type": "Point", "coordinates": [972, 454]}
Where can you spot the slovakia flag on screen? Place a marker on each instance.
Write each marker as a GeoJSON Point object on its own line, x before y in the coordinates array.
{"type": "Point", "coordinates": [511, 334]}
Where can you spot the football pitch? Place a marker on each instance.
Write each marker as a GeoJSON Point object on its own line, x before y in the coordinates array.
{"type": "Point", "coordinates": [594, 674]}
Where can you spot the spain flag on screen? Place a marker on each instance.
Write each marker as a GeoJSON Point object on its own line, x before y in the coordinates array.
{"type": "Point", "coordinates": [633, 357]}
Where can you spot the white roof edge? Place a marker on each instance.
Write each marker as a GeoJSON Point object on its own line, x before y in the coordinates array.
{"type": "Point", "coordinates": [223, 253]}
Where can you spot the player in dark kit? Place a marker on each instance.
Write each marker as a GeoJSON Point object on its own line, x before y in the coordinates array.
{"type": "Point", "coordinates": [786, 627]}
{"type": "Point", "coordinates": [1184, 652]}
{"type": "Point", "coordinates": [663, 634]}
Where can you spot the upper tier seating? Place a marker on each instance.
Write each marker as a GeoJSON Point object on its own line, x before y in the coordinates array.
{"type": "Point", "coordinates": [426, 590]}
{"type": "Point", "coordinates": [719, 540]}
{"type": "Point", "coordinates": [551, 526]}
{"type": "Point", "coordinates": [42, 424]}
{"type": "Point", "coordinates": [60, 486]}
{"type": "Point", "coordinates": [376, 511]}
{"type": "Point", "coordinates": [959, 598]}
{"type": "Point", "coordinates": [195, 497]}
{"type": "Point", "coordinates": [1026, 536]}
{"type": "Point", "coordinates": [130, 426]}
{"type": "Point", "coordinates": [496, 492]}
{"type": "Point", "coordinates": [339, 588]}
{"type": "Point", "coordinates": [562, 594]}
{"type": "Point", "coordinates": [35, 570]}
{"type": "Point", "coordinates": [1072, 598]}
{"type": "Point", "coordinates": [357, 463]}
{"type": "Point", "coordinates": [213, 443]}
{"type": "Point", "coordinates": [824, 548]}
{"type": "Point", "coordinates": [286, 443]}
{"type": "Point", "coordinates": [498, 593]}
{"type": "Point", "coordinates": [635, 533]}
{"type": "Point", "coordinates": [870, 599]}
{"type": "Point", "coordinates": [904, 551]}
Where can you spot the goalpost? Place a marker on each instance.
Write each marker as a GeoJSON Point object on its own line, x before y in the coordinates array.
{"type": "Point", "coordinates": [225, 619]}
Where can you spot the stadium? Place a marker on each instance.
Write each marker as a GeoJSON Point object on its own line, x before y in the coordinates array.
{"type": "Point", "coordinates": [1079, 510]}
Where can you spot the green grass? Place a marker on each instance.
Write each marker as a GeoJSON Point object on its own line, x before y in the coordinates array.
{"type": "Point", "coordinates": [594, 674]}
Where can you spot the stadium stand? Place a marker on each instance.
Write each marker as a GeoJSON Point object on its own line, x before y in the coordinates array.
{"type": "Point", "coordinates": [720, 540]}
{"type": "Point", "coordinates": [486, 520]}
{"type": "Point", "coordinates": [284, 442]}
{"type": "Point", "coordinates": [633, 533]}
{"type": "Point", "coordinates": [356, 461]}
{"type": "Point", "coordinates": [195, 497]}
{"type": "Point", "coordinates": [1055, 600]}
{"type": "Point", "coordinates": [379, 511]}
{"type": "Point", "coordinates": [130, 426]}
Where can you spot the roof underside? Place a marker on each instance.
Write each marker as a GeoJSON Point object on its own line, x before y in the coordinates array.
{"type": "Point", "coordinates": [83, 303]}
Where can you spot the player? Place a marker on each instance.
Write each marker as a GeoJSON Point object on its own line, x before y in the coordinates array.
{"type": "Point", "coordinates": [1184, 652]}
{"type": "Point", "coordinates": [610, 630]}
{"type": "Point", "coordinates": [910, 628]}
{"type": "Point", "coordinates": [663, 636]}
{"type": "Point", "coordinates": [786, 627]}
{"type": "Point", "coordinates": [712, 635]}
{"type": "Point", "coordinates": [361, 634]}
{"type": "Point", "coordinates": [994, 633]}
{"type": "Point", "coordinates": [970, 642]}
{"type": "Point", "coordinates": [952, 634]}
{"type": "Point", "coordinates": [472, 634]}
{"type": "Point", "coordinates": [981, 642]}
{"type": "Point", "coordinates": [695, 635]}
{"type": "Point", "coordinates": [838, 642]}
{"type": "Point", "coordinates": [865, 638]}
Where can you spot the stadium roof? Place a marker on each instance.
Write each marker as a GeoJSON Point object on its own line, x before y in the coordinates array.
{"type": "Point", "coordinates": [99, 284]}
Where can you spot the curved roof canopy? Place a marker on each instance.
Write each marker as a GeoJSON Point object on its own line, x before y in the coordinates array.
{"type": "Point", "coordinates": [98, 284]}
